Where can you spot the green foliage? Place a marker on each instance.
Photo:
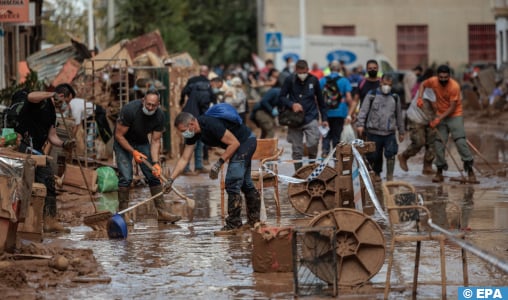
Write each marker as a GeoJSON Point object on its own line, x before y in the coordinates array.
{"type": "Point", "coordinates": [212, 31]}
{"type": "Point", "coordinates": [31, 83]}
{"type": "Point", "coordinates": [61, 17]}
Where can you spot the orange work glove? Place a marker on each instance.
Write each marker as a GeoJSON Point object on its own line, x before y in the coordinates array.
{"type": "Point", "coordinates": [138, 156]}
{"type": "Point", "coordinates": [419, 102]}
{"type": "Point", "coordinates": [434, 123]}
{"type": "Point", "coordinates": [156, 170]}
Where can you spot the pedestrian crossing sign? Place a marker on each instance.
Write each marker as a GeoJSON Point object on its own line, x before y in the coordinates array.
{"type": "Point", "coordinates": [273, 42]}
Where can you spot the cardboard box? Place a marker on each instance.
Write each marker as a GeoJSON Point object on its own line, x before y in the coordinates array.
{"type": "Point", "coordinates": [31, 228]}
{"type": "Point", "coordinates": [272, 249]}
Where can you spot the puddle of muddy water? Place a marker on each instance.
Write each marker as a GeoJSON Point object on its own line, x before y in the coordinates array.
{"type": "Point", "coordinates": [186, 260]}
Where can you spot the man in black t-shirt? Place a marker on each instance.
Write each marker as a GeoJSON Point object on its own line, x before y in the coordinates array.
{"type": "Point", "coordinates": [370, 82]}
{"type": "Point", "coordinates": [136, 120]}
{"type": "Point", "coordinates": [36, 126]}
{"type": "Point", "coordinates": [239, 144]}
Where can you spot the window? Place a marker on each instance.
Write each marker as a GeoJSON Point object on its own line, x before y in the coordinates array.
{"type": "Point", "coordinates": [482, 43]}
{"type": "Point", "coordinates": [339, 30]}
{"type": "Point", "coordinates": [412, 46]}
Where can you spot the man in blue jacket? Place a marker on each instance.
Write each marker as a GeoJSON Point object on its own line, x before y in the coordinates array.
{"type": "Point", "coordinates": [301, 93]}
{"type": "Point", "coordinates": [340, 115]}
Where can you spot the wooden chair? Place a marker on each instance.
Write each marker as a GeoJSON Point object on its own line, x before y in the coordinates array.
{"type": "Point", "coordinates": [266, 150]}
{"type": "Point", "coordinates": [401, 202]}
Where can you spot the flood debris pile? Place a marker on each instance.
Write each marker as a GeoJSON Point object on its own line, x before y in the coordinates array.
{"type": "Point", "coordinates": [34, 267]}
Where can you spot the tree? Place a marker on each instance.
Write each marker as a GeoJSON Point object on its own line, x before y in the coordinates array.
{"type": "Point", "coordinates": [62, 17]}
{"type": "Point", "coordinates": [213, 31]}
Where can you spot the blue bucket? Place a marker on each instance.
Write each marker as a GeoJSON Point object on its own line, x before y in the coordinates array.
{"type": "Point", "coordinates": [117, 228]}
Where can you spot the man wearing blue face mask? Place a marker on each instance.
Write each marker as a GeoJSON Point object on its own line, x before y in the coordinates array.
{"type": "Point", "coordinates": [240, 144]}
{"type": "Point", "coordinates": [136, 120]}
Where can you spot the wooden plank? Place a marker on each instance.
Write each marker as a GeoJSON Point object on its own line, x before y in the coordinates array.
{"type": "Point", "coordinates": [40, 160]}
{"type": "Point", "coordinates": [73, 177]}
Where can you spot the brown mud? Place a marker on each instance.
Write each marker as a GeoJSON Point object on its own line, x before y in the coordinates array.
{"type": "Point", "coordinates": [186, 261]}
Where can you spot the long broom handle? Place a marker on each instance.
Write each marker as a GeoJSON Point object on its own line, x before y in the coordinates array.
{"type": "Point", "coordinates": [77, 158]}
{"type": "Point", "coordinates": [479, 154]}
{"type": "Point", "coordinates": [140, 203]}
{"type": "Point", "coordinates": [190, 202]}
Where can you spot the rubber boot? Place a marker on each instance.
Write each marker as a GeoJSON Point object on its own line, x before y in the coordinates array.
{"type": "Point", "coordinates": [439, 176]}
{"type": "Point", "coordinates": [253, 201]}
{"type": "Point", "coordinates": [234, 218]}
{"type": "Point", "coordinates": [123, 203]}
{"type": "Point", "coordinates": [427, 168]}
{"type": "Point", "coordinates": [403, 162]}
{"type": "Point", "coordinates": [468, 167]}
{"type": "Point", "coordinates": [162, 214]}
{"type": "Point", "coordinates": [390, 166]}
{"type": "Point", "coordinates": [51, 224]}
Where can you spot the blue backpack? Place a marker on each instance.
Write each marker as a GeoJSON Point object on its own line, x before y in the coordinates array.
{"type": "Point", "coordinates": [224, 111]}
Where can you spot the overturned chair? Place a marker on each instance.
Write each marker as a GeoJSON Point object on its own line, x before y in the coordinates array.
{"type": "Point", "coordinates": [403, 208]}
{"type": "Point", "coordinates": [267, 150]}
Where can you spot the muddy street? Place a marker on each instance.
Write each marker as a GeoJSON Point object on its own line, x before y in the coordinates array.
{"type": "Point", "coordinates": [186, 260]}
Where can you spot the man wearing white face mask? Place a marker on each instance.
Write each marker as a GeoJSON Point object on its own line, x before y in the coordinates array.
{"type": "Point", "coordinates": [136, 120]}
{"type": "Point", "coordinates": [301, 92]}
{"type": "Point", "coordinates": [239, 144]}
{"type": "Point", "coordinates": [380, 117]}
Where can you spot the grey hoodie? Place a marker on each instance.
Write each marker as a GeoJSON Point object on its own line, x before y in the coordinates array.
{"type": "Point", "coordinates": [382, 115]}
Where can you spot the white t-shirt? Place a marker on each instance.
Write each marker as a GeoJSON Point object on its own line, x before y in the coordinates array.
{"type": "Point", "coordinates": [77, 107]}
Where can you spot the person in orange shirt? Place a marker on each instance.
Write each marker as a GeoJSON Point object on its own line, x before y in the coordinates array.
{"type": "Point", "coordinates": [449, 121]}
{"type": "Point", "coordinates": [316, 71]}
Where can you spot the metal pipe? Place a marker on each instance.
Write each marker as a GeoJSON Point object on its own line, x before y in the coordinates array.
{"type": "Point", "coordinates": [488, 257]}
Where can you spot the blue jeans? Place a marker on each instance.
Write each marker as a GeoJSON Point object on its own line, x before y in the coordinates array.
{"type": "Point", "coordinates": [238, 177]}
{"type": "Point", "coordinates": [198, 157]}
{"type": "Point", "coordinates": [386, 144]}
{"type": "Point", "coordinates": [124, 165]}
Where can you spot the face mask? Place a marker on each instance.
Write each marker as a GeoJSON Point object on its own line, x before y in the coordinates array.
{"type": "Point", "coordinates": [292, 67]}
{"type": "Point", "coordinates": [215, 90]}
{"type": "Point", "coordinates": [302, 76]}
{"type": "Point", "coordinates": [187, 134]}
{"type": "Point", "coordinates": [147, 112]}
{"type": "Point", "coordinates": [443, 82]}
{"type": "Point", "coordinates": [386, 89]}
{"type": "Point", "coordinates": [372, 74]}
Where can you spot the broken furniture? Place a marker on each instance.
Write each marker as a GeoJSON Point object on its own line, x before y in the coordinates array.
{"type": "Point", "coordinates": [403, 209]}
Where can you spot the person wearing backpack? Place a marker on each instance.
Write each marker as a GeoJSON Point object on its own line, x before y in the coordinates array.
{"type": "Point", "coordinates": [337, 96]}
{"type": "Point", "coordinates": [199, 94]}
{"type": "Point", "coordinates": [36, 126]}
{"type": "Point", "coordinates": [380, 118]}
{"type": "Point", "coordinates": [231, 134]}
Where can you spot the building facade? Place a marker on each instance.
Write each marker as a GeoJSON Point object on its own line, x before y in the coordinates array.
{"type": "Point", "coordinates": [408, 32]}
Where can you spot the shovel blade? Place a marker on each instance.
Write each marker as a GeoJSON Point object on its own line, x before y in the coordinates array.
{"type": "Point", "coordinates": [117, 228]}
